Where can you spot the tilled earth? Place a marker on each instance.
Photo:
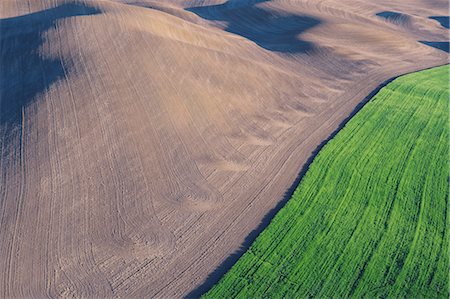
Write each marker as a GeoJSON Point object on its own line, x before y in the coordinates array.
{"type": "Point", "coordinates": [143, 141]}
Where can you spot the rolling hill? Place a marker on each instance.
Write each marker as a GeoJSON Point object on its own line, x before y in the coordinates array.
{"type": "Point", "coordinates": [143, 141]}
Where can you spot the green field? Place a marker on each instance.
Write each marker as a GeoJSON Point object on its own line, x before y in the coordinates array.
{"type": "Point", "coordinates": [369, 219]}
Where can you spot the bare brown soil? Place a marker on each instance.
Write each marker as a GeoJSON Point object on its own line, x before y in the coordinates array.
{"type": "Point", "coordinates": [142, 141]}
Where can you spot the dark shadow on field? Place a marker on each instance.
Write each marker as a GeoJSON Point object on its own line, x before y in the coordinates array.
{"type": "Point", "coordinates": [443, 20]}
{"type": "Point", "coordinates": [271, 30]}
{"type": "Point", "coordinates": [393, 16]}
{"type": "Point", "coordinates": [228, 263]}
{"type": "Point", "coordinates": [24, 73]}
{"type": "Point", "coordinates": [443, 46]}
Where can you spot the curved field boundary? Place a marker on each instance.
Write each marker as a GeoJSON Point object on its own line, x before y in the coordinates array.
{"type": "Point", "coordinates": [369, 217]}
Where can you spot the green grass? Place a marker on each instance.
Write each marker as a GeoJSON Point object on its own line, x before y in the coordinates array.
{"type": "Point", "coordinates": [369, 219]}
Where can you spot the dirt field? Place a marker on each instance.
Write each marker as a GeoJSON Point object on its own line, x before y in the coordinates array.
{"type": "Point", "coordinates": [142, 141]}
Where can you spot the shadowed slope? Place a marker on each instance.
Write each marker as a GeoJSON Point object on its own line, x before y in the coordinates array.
{"type": "Point", "coordinates": [24, 70]}
{"type": "Point", "coordinates": [443, 20]}
{"type": "Point", "coordinates": [270, 30]}
{"type": "Point", "coordinates": [443, 46]}
{"type": "Point", "coordinates": [394, 17]}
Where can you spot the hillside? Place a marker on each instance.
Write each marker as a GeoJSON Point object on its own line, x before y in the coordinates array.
{"type": "Point", "coordinates": [143, 141]}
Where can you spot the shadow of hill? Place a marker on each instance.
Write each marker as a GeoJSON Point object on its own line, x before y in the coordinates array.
{"type": "Point", "coordinates": [443, 20]}
{"type": "Point", "coordinates": [443, 46]}
{"type": "Point", "coordinates": [24, 73]}
{"type": "Point", "coordinates": [269, 29]}
{"type": "Point", "coordinates": [393, 16]}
